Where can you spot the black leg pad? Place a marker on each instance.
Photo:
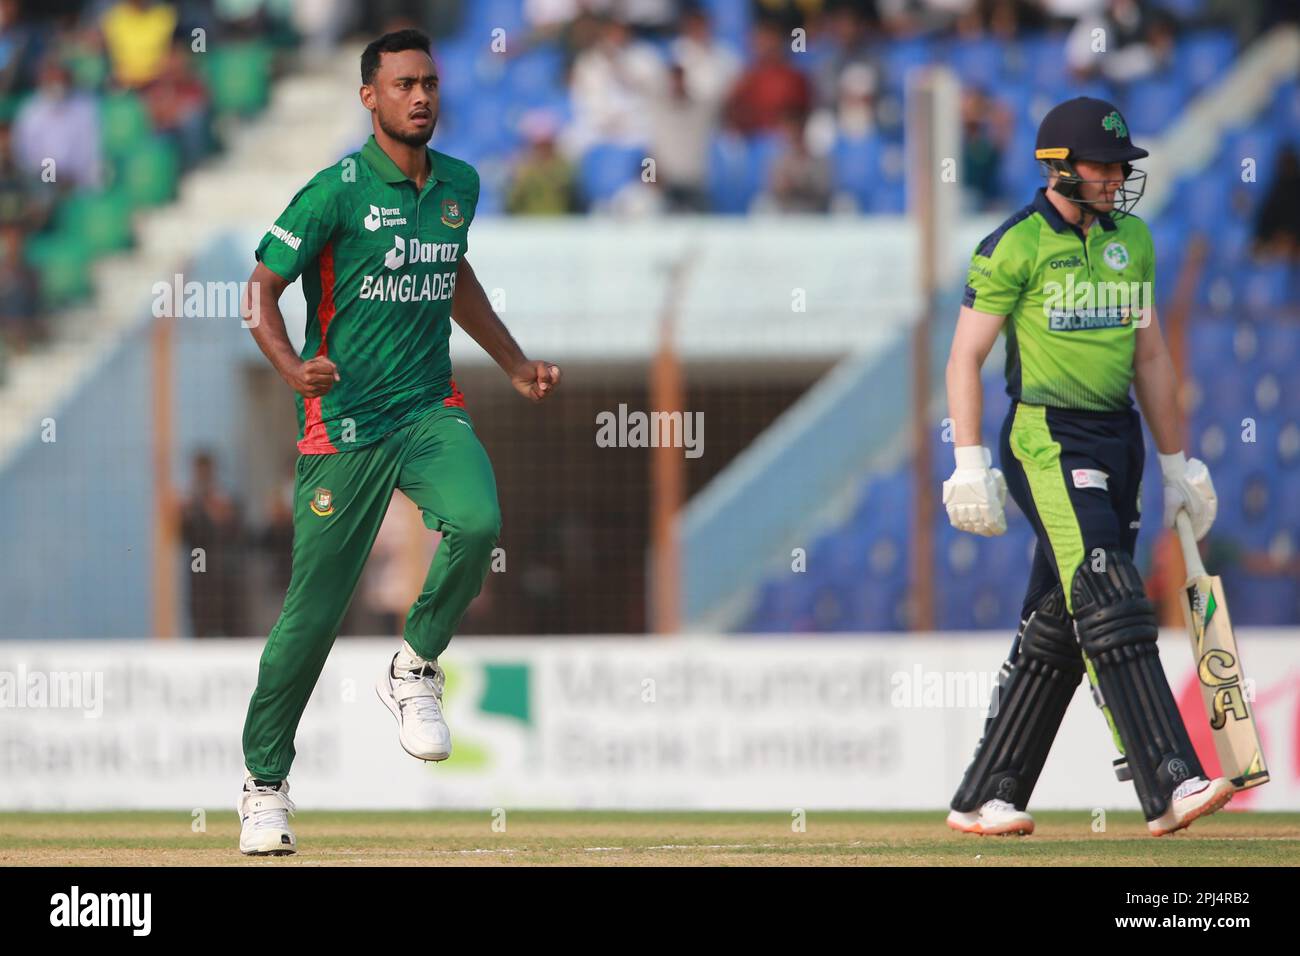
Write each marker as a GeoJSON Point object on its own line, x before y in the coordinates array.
{"type": "Point", "coordinates": [1116, 625]}
{"type": "Point", "coordinates": [1034, 689]}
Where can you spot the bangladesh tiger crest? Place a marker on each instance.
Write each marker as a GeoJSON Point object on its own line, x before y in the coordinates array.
{"type": "Point", "coordinates": [451, 214]}
{"type": "Point", "coordinates": [322, 502]}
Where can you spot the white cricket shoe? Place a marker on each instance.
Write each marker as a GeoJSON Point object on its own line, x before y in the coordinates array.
{"type": "Point", "coordinates": [264, 818]}
{"type": "Point", "coordinates": [412, 689]}
{"type": "Point", "coordinates": [994, 818]}
{"type": "Point", "coordinates": [1191, 800]}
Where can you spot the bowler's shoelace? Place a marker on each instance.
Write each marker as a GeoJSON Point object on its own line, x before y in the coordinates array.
{"type": "Point", "coordinates": [273, 817]}
{"type": "Point", "coordinates": [427, 706]}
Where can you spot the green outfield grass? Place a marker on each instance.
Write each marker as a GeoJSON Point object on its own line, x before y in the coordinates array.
{"type": "Point", "coordinates": [674, 839]}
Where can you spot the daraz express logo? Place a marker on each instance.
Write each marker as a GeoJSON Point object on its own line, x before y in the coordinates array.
{"type": "Point", "coordinates": [411, 251]}
{"type": "Point", "coordinates": [383, 216]}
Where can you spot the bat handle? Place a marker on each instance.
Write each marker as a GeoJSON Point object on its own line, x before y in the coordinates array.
{"type": "Point", "coordinates": [1187, 538]}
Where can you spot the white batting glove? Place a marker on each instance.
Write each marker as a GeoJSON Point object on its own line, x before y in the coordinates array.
{"type": "Point", "coordinates": [976, 493]}
{"type": "Point", "coordinates": [1187, 485]}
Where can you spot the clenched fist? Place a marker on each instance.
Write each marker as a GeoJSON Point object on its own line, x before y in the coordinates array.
{"type": "Point", "coordinates": [535, 380]}
{"type": "Point", "coordinates": [314, 377]}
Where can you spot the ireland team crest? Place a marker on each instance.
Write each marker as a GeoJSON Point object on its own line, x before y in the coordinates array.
{"type": "Point", "coordinates": [451, 215]}
{"type": "Point", "coordinates": [1116, 256]}
{"type": "Point", "coordinates": [1115, 123]}
{"type": "Point", "coordinates": [322, 502]}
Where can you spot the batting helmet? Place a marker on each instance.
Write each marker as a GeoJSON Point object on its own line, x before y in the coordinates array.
{"type": "Point", "coordinates": [1093, 130]}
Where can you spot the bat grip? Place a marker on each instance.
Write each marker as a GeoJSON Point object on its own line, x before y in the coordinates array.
{"type": "Point", "coordinates": [1187, 538]}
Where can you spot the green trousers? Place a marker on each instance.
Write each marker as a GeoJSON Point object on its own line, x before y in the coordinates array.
{"type": "Point", "coordinates": [339, 503]}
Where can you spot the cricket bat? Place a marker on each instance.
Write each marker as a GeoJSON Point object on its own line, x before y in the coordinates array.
{"type": "Point", "coordinates": [1218, 668]}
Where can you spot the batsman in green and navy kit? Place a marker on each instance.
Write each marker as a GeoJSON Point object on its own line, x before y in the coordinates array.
{"type": "Point", "coordinates": [379, 241]}
{"type": "Point", "coordinates": [1068, 280]}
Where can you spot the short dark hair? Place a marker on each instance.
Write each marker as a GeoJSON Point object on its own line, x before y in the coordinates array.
{"type": "Point", "coordinates": [394, 42]}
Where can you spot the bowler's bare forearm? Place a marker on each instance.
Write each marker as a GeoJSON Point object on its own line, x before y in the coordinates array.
{"type": "Point", "coordinates": [473, 312]}
{"type": "Point", "coordinates": [262, 313]}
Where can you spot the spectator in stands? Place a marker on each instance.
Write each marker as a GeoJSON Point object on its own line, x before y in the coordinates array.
{"type": "Point", "coordinates": [177, 101]}
{"type": "Point", "coordinates": [800, 182]}
{"type": "Point", "coordinates": [21, 48]}
{"type": "Point", "coordinates": [1137, 44]}
{"type": "Point", "coordinates": [852, 114]}
{"type": "Point", "coordinates": [786, 15]}
{"type": "Point", "coordinates": [848, 42]}
{"type": "Point", "coordinates": [648, 19]}
{"type": "Point", "coordinates": [138, 35]}
{"type": "Point", "coordinates": [985, 130]}
{"type": "Point", "coordinates": [1000, 19]}
{"type": "Point", "coordinates": [682, 127]}
{"type": "Point", "coordinates": [543, 182]}
{"type": "Point", "coordinates": [1277, 224]}
{"type": "Point", "coordinates": [711, 68]}
{"type": "Point", "coordinates": [60, 124]}
{"type": "Point", "coordinates": [610, 87]}
{"type": "Point", "coordinates": [210, 520]}
{"type": "Point", "coordinates": [20, 311]}
{"type": "Point", "coordinates": [24, 199]}
{"type": "Point", "coordinates": [909, 18]}
{"type": "Point", "coordinates": [80, 47]}
{"type": "Point", "coordinates": [770, 88]}
{"type": "Point", "coordinates": [549, 17]}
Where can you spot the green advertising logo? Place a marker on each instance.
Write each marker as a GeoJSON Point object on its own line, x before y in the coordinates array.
{"type": "Point", "coordinates": [506, 693]}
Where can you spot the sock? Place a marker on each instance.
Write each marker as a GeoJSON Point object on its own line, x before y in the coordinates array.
{"type": "Point", "coordinates": [407, 660]}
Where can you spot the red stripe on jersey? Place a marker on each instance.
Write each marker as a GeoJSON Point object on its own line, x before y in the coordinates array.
{"type": "Point", "coordinates": [315, 437]}
{"type": "Point", "coordinates": [455, 399]}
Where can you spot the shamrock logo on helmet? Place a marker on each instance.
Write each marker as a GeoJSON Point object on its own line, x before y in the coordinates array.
{"type": "Point", "coordinates": [1115, 123]}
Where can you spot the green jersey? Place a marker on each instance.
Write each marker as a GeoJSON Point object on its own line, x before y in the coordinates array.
{"type": "Point", "coordinates": [378, 260]}
{"type": "Point", "coordinates": [1072, 303]}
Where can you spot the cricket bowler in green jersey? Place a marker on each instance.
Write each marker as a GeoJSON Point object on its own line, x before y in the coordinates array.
{"type": "Point", "coordinates": [379, 240]}
{"type": "Point", "coordinates": [1068, 280]}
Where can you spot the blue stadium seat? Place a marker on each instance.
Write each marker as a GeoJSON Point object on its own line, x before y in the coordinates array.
{"type": "Point", "coordinates": [1155, 102]}
{"type": "Point", "coordinates": [901, 56]}
{"type": "Point", "coordinates": [1233, 242]}
{"type": "Point", "coordinates": [891, 196]}
{"type": "Point", "coordinates": [534, 77]}
{"type": "Point", "coordinates": [1045, 54]}
{"type": "Point", "coordinates": [1265, 286]}
{"type": "Point", "coordinates": [855, 167]}
{"type": "Point", "coordinates": [979, 62]}
{"type": "Point", "coordinates": [1184, 9]}
{"type": "Point", "coordinates": [739, 169]}
{"type": "Point", "coordinates": [1200, 198]}
{"type": "Point", "coordinates": [484, 16]}
{"type": "Point", "coordinates": [606, 168]}
{"type": "Point", "coordinates": [1204, 56]}
{"type": "Point", "coordinates": [1263, 602]}
{"type": "Point", "coordinates": [731, 21]}
{"type": "Point", "coordinates": [1286, 105]}
{"type": "Point", "coordinates": [1020, 170]}
{"type": "Point", "coordinates": [1259, 142]}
